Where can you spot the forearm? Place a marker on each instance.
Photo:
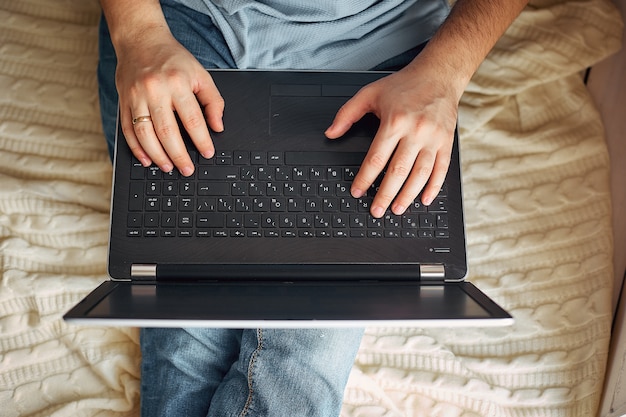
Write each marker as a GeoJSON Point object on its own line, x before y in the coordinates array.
{"type": "Point", "coordinates": [132, 21]}
{"type": "Point", "coordinates": [466, 37]}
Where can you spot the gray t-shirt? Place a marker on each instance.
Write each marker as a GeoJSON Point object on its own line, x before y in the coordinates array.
{"type": "Point", "coordinates": [321, 34]}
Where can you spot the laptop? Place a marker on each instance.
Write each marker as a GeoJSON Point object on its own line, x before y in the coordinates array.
{"type": "Point", "coordinates": [266, 233]}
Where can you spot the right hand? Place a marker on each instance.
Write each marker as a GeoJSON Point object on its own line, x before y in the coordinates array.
{"type": "Point", "coordinates": [157, 77]}
{"type": "Point", "coordinates": [417, 107]}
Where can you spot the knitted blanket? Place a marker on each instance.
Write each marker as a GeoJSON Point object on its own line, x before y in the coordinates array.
{"type": "Point", "coordinates": [537, 201]}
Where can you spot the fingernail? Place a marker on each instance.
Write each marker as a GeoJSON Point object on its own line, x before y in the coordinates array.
{"type": "Point", "coordinates": [146, 162]}
{"type": "Point", "coordinates": [187, 171]}
{"type": "Point", "coordinates": [427, 200]}
{"type": "Point", "coordinates": [167, 168]}
{"type": "Point", "coordinates": [356, 193]}
{"type": "Point", "coordinates": [378, 212]}
{"type": "Point", "coordinates": [398, 209]}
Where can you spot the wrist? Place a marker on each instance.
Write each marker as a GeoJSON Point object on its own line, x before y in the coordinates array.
{"type": "Point", "coordinates": [134, 23]}
{"type": "Point", "coordinates": [439, 69]}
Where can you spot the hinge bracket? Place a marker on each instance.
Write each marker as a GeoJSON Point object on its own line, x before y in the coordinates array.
{"type": "Point", "coordinates": [436, 272]}
{"type": "Point", "coordinates": [143, 271]}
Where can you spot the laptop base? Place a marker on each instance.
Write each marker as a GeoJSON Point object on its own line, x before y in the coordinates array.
{"type": "Point", "coordinates": [288, 305]}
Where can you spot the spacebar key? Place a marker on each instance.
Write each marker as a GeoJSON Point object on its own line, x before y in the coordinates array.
{"type": "Point", "coordinates": [323, 158]}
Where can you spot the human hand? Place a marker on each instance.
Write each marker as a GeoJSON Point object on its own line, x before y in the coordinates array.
{"type": "Point", "coordinates": [418, 114]}
{"type": "Point", "coordinates": [157, 77]}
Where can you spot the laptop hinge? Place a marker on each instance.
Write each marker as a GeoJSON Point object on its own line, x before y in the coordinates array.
{"type": "Point", "coordinates": [143, 271]}
{"type": "Point", "coordinates": [434, 272]}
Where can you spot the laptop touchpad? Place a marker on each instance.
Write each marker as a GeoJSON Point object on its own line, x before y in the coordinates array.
{"type": "Point", "coordinates": [312, 115]}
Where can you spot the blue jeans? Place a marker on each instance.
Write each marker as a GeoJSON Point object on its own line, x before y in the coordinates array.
{"type": "Point", "coordinates": [221, 372]}
{"type": "Point", "coordinates": [263, 372]}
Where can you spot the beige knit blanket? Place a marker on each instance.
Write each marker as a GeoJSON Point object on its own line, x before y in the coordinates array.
{"type": "Point", "coordinates": [538, 225]}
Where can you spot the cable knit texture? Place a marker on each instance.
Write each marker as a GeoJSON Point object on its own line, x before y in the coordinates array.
{"type": "Point", "coordinates": [535, 170]}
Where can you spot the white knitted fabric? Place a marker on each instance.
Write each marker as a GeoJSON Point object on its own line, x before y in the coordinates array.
{"type": "Point", "coordinates": [538, 225]}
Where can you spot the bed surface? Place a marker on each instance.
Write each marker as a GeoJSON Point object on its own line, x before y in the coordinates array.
{"type": "Point", "coordinates": [535, 169]}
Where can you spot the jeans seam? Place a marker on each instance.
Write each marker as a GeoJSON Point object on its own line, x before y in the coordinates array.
{"type": "Point", "coordinates": [251, 366]}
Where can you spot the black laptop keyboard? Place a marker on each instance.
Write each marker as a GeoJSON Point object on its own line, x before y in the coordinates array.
{"type": "Point", "coordinates": [270, 194]}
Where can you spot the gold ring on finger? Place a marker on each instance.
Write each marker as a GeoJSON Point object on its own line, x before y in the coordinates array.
{"type": "Point", "coordinates": [142, 119]}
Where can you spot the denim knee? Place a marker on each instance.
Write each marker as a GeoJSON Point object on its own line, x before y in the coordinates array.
{"type": "Point", "coordinates": [288, 372]}
{"type": "Point", "coordinates": [182, 368]}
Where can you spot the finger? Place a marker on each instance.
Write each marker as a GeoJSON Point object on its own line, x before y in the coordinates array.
{"type": "Point", "coordinates": [350, 113]}
{"type": "Point", "coordinates": [210, 98]}
{"type": "Point", "coordinates": [169, 148]}
{"type": "Point", "coordinates": [131, 139]}
{"type": "Point", "coordinates": [376, 159]}
{"type": "Point", "coordinates": [437, 178]}
{"type": "Point", "coordinates": [420, 173]}
{"type": "Point", "coordinates": [400, 168]}
{"type": "Point", "coordinates": [195, 124]}
{"type": "Point", "coordinates": [149, 142]}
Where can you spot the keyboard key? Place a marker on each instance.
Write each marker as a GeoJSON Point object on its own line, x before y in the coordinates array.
{"type": "Point", "coordinates": [134, 220]}
{"type": "Point", "coordinates": [269, 220]}
{"type": "Point", "coordinates": [187, 188]}
{"type": "Point", "coordinates": [358, 220]}
{"type": "Point", "coordinates": [305, 220]}
{"type": "Point", "coordinates": [153, 172]}
{"type": "Point", "coordinates": [438, 206]}
{"type": "Point", "coordinates": [185, 204]}
{"type": "Point", "coordinates": [169, 188]}
{"type": "Point", "coordinates": [442, 221]}
{"type": "Point", "coordinates": [169, 204]}
{"type": "Point", "coordinates": [152, 204]}
{"type": "Point", "coordinates": [252, 221]}
{"type": "Point", "coordinates": [137, 171]}
{"type": "Point", "coordinates": [168, 220]}
{"type": "Point", "coordinates": [340, 220]}
{"type": "Point", "coordinates": [275, 158]}
{"type": "Point", "coordinates": [282, 173]}
{"type": "Point", "coordinates": [218, 173]}
{"type": "Point", "coordinates": [135, 202]}
{"type": "Point", "coordinates": [212, 220]}
{"type": "Point", "coordinates": [287, 221]}
{"type": "Point", "coordinates": [234, 220]}
{"type": "Point", "coordinates": [151, 220]}
{"type": "Point", "coordinates": [185, 220]}
{"type": "Point", "coordinates": [214, 188]}
{"type": "Point", "coordinates": [426, 221]}
{"type": "Point", "coordinates": [241, 158]}
{"type": "Point", "coordinates": [258, 158]}
{"type": "Point", "coordinates": [442, 234]}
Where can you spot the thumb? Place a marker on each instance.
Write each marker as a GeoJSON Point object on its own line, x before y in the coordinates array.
{"type": "Point", "coordinates": [350, 113]}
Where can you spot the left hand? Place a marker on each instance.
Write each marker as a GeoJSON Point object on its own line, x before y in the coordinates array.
{"type": "Point", "coordinates": [418, 111]}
